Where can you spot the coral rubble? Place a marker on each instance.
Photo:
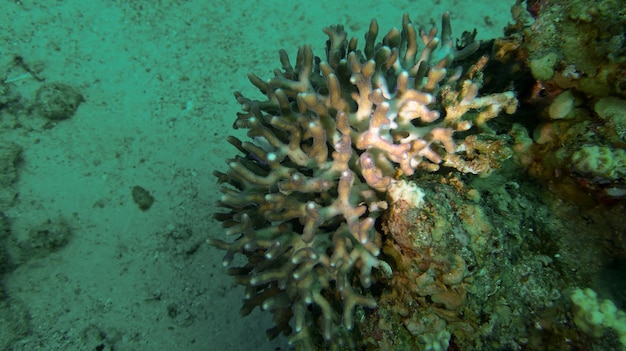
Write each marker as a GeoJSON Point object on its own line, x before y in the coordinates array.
{"type": "Point", "coordinates": [335, 144]}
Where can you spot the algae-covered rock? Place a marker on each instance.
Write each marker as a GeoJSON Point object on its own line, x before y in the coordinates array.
{"type": "Point", "coordinates": [10, 154]}
{"type": "Point", "coordinates": [142, 198]}
{"type": "Point", "coordinates": [50, 236]}
{"type": "Point", "coordinates": [57, 101]}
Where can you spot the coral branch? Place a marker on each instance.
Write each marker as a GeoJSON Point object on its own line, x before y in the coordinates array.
{"type": "Point", "coordinates": [328, 141]}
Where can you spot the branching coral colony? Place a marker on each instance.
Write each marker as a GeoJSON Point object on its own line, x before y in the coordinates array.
{"type": "Point", "coordinates": [332, 145]}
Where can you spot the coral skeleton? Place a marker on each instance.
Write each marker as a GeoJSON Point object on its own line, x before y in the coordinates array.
{"type": "Point", "coordinates": [327, 142]}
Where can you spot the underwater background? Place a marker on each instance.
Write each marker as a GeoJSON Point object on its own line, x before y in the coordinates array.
{"type": "Point", "coordinates": [114, 116]}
